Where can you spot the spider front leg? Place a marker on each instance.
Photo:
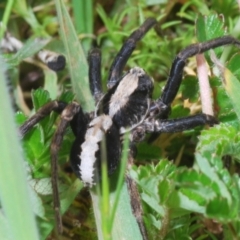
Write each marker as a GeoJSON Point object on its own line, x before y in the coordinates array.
{"type": "Point", "coordinates": [67, 115]}
{"type": "Point", "coordinates": [44, 111]}
{"type": "Point", "coordinates": [94, 59]}
{"type": "Point", "coordinates": [162, 105]}
{"type": "Point", "coordinates": [126, 51]}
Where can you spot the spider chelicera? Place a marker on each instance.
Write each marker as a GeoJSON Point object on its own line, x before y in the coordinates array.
{"type": "Point", "coordinates": [127, 106]}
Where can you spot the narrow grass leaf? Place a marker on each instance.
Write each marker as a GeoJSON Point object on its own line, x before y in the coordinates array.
{"type": "Point", "coordinates": [5, 17]}
{"type": "Point", "coordinates": [50, 83]}
{"type": "Point", "coordinates": [5, 229]}
{"type": "Point", "coordinates": [77, 63]}
{"type": "Point", "coordinates": [31, 47]}
{"type": "Point", "coordinates": [70, 195]}
{"type": "Point", "coordinates": [125, 225]}
{"type": "Point", "coordinates": [121, 177]}
{"type": "Point", "coordinates": [83, 16]}
{"type": "Point", "coordinates": [15, 195]}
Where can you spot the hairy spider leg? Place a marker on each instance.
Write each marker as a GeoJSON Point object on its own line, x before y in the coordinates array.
{"type": "Point", "coordinates": [135, 198]}
{"type": "Point", "coordinates": [94, 59]}
{"type": "Point", "coordinates": [162, 106]}
{"type": "Point", "coordinates": [179, 124]}
{"type": "Point", "coordinates": [54, 61]}
{"type": "Point", "coordinates": [176, 72]}
{"type": "Point", "coordinates": [66, 116]}
{"type": "Point", "coordinates": [126, 51]}
{"type": "Point", "coordinates": [44, 111]}
{"type": "Point", "coordinates": [69, 113]}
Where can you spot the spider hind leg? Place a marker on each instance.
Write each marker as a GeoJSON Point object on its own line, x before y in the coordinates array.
{"type": "Point", "coordinates": [179, 124]}
{"type": "Point", "coordinates": [67, 111]}
{"type": "Point", "coordinates": [162, 106]}
{"type": "Point", "coordinates": [66, 116]}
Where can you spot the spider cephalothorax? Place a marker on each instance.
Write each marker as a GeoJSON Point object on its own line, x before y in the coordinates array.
{"type": "Point", "coordinates": [127, 103]}
{"type": "Point", "coordinates": [127, 106]}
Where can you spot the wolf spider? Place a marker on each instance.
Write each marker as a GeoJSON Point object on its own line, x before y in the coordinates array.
{"type": "Point", "coordinates": [126, 107]}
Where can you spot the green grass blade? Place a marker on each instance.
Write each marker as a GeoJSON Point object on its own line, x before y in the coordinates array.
{"type": "Point", "coordinates": [77, 63]}
{"type": "Point", "coordinates": [83, 16]}
{"type": "Point", "coordinates": [125, 225]}
{"type": "Point", "coordinates": [14, 192]}
{"type": "Point", "coordinates": [22, 9]}
{"type": "Point", "coordinates": [113, 211]}
{"type": "Point", "coordinates": [120, 181]}
{"type": "Point", "coordinates": [31, 47]}
{"type": "Point", "coordinates": [5, 17]}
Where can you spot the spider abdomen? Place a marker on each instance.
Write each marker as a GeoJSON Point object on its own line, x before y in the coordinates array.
{"type": "Point", "coordinates": [86, 156]}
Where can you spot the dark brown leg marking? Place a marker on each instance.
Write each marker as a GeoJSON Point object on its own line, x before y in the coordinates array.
{"type": "Point", "coordinates": [135, 200]}
{"type": "Point", "coordinates": [68, 113]}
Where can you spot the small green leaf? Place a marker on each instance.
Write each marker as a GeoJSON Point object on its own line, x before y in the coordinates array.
{"type": "Point", "coordinates": [233, 65]}
{"type": "Point", "coordinates": [153, 203]}
{"type": "Point", "coordinates": [208, 169]}
{"type": "Point", "coordinates": [223, 104]}
{"type": "Point", "coordinates": [190, 88]}
{"type": "Point", "coordinates": [219, 208]}
{"type": "Point", "coordinates": [165, 188]}
{"type": "Point", "coordinates": [67, 97]}
{"type": "Point", "coordinates": [40, 97]}
{"type": "Point", "coordinates": [20, 118]}
{"type": "Point", "coordinates": [210, 27]}
{"type": "Point", "coordinates": [146, 151]}
{"type": "Point", "coordinates": [42, 186]}
{"type": "Point", "coordinates": [179, 111]}
{"type": "Point", "coordinates": [50, 83]}
{"type": "Point", "coordinates": [186, 201]}
{"type": "Point", "coordinates": [230, 83]}
{"type": "Point", "coordinates": [33, 144]}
